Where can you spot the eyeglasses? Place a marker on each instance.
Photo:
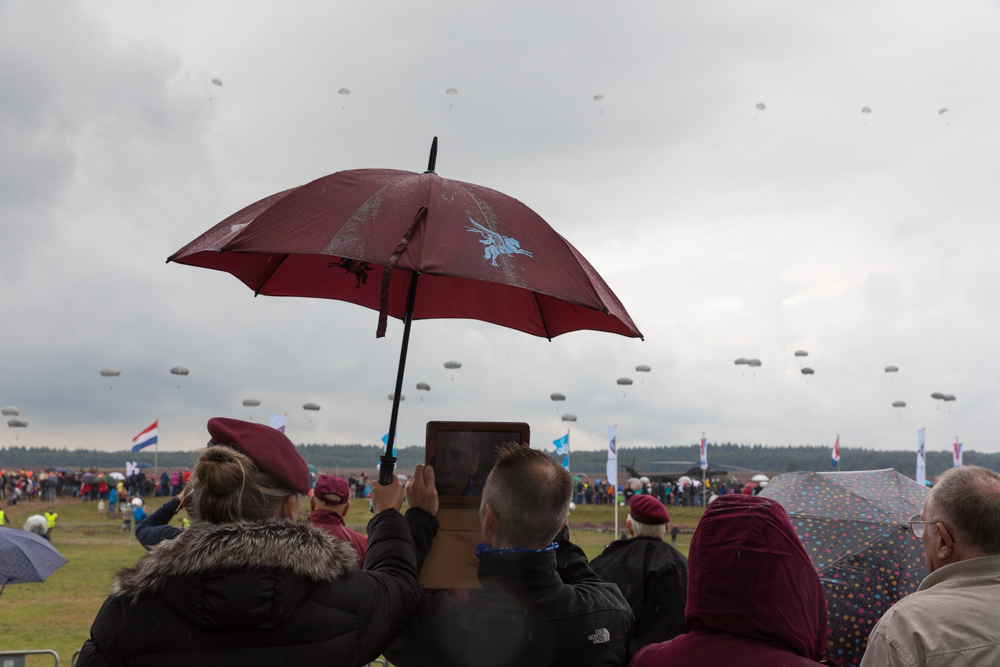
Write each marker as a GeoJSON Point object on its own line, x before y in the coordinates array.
{"type": "Point", "coordinates": [917, 526]}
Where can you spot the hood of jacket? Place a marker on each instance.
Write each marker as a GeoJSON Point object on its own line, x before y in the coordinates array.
{"type": "Point", "coordinates": [749, 575]}
{"type": "Point", "coordinates": [237, 575]}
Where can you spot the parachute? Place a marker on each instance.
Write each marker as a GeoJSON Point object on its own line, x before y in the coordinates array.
{"type": "Point", "coordinates": [217, 82]}
{"type": "Point", "coordinates": [598, 97]}
{"type": "Point", "coordinates": [343, 91]}
{"type": "Point", "coordinates": [452, 91]}
{"type": "Point", "coordinates": [753, 363]}
{"type": "Point", "coordinates": [948, 398]}
{"type": "Point", "coordinates": [110, 372]}
{"type": "Point", "coordinates": [569, 418]}
{"type": "Point", "coordinates": [899, 404]}
{"type": "Point", "coordinates": [179, 370]}
{"type": "Point", "coordinates": [943, 110]}
{"type": "Point", "coordinates": [392, 397]}
{"type": "Point", "coordinates": [558, 397]}
{"type": "Point", "coordinates": [866, 109]}
{"type": "Point", "coordinates": [452, 365]}
{"type": "Point", "coordinates": [250, 402]}
{"type": "Point", "coordinates": [808, 371]}
{"type": "Point", "coordinates": [742, 362]}
{"type": "Point", "coordinates": [891, 369]}
{"type": "Point", "coordinates": [423, 386]}
{"type": "Point", "coordinates": [801, 353]}
{"type": "Point", "coordinates": [11, 411]}
{"type": "Point", "coordinates": [624, 381]}
{"type": "Point", "coordinates": [761, 106]}
{"type": "Point", "coordinates": [937, 396]}
{"type": "Point", "coordinates": [642, 368]}
{"type": "Point", "coordinates": [16, 423]}
{"type": "Point", "coordinates": [311, 406]}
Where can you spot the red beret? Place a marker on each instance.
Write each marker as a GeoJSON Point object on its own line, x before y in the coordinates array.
{"type": "Point", "coordinates": [268, 447]}
{"type": "Point", "coordinates": [326, 484]}
{"type": "Point", "coordinates": [647, 509]}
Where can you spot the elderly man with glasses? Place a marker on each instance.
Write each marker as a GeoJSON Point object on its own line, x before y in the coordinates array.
{"type": "Point", "coordinates": [954, 617]}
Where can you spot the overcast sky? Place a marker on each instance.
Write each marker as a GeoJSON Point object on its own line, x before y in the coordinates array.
{"type": "Point", "coordinates": [726, 231]}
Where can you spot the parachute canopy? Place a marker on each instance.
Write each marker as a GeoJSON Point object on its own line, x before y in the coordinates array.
{"type": "Point", "coordinates": [761, 106]}
{"type": "Point", "coordinates": [251, 402]}
{"type": "Point", "coordinates": [625, 381]}
{"type": "Point", "coordinates": [801, 353]}
{"type": "Point", "coordinates": [642, 368]}
{"type": "Point", "coordinates": [899, 404]}
{"type": "Point", "coordinates": [948, 397]}
{"type": "Point", "coordinates": [753, 363]}
{"type": "Point", "coordinates": [569, 418]}
{"type": "Point", "coordinates": [742, 362]}
{"type": "Point", "coordinates": [392, 397]}
{"type": "Point", "coordinates": [217, 82]}
{"type": "Point", "coordinates": [938, 396]}
{"type": "Point", "coordinates": [16, 423]}
{"type": "Point", "coordinates": [866, 109]}
{"type": "Point", "coordinates": [344, 91]}
{"type": "Point", "coordinates": [179, 370]}
{"type": "Point", "coordinates": [110, 372]}
{"type": "Point", "coordinates": [311, 406]}
{"type": "Point", "coordinates": [891, 369]}
{"type": "Point", "coordinates": [452, 364]}
{"type": "Point", "coordinates": [943, 110]}
{"type": "Point", "coordinates": [598, 97]}
{"type": "Point", "coordinates": [423, 386]}
{"type": "Point", "coordinates": [808, 371]}
{"type": "Point", "coordinates": [452, 91]}
{"type": "Point", "coordinates": [11, 411]}
{"type": "Point", "coordinates": [558, 397]}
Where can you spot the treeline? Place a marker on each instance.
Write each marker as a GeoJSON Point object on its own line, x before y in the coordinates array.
{"type": "Point", "coordinates": [348, 457]}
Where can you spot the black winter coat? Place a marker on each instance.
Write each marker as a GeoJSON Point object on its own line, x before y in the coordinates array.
{"type": "Point", "coordinates": [534, 609]}
{"type": "Point", "coordinates": [652, 575]}
{"type": "Point", "coordinates": [258, 594]}
{"type": "Point", "coordinates": [154, 529]}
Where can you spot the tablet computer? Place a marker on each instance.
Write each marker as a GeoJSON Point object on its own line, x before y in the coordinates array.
{"type": "Point", "coordinates": [463, 454]}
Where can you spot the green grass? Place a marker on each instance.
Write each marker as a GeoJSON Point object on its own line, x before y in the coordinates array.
{"type": "Point", "coordinates": [57, 613]}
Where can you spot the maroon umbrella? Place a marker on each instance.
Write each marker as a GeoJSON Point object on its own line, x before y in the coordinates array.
{"type": "Point", "coordinates": [369, 236]}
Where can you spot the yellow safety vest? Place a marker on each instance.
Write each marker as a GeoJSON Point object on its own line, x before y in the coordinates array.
{"type": "Point", "coordinates": [51, 518]}
{"type": "Point", "coordinates": [185, 522]}
{"type": "Point", "coordinates": [3, 518]}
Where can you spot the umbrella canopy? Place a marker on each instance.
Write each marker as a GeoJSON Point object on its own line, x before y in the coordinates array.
{"type": "Point", "coordinates": [143, 465]}
{"type": "Point", "coordinates": [89, 478]}
{"type": "Point", "coordinates": [26, 557]}
{"type": "Point", "coordinates": [854, 528]}
{"type": "Point", "coordinates": [476, 254]}
{"type": "Point", "coordinates": [117, 475]}
{"type": "Point", "coordinates": [759, 478]}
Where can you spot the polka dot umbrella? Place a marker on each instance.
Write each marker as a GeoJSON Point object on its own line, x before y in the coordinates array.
{"type": "Point", "coordinates": [854, 527]}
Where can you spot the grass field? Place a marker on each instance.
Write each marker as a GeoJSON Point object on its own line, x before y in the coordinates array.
{"type": "Point", "coordinates": [57, 613]}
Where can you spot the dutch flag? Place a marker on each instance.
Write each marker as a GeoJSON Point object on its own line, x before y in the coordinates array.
{"type": "Point", "coordinates": [146, 438]}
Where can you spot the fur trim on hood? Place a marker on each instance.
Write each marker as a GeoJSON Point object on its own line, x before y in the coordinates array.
{"type": "Point", "coordinates": [308, 552]}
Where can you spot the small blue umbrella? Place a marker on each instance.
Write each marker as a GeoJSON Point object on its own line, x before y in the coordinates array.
{"type": "Point", "coordinates": [143, 465]}
{"type": "Point", "coordinates": [26, 557]}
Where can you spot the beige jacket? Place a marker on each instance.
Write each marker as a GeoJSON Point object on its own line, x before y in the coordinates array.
{"type": "Point", "coordinates": [953, 619]}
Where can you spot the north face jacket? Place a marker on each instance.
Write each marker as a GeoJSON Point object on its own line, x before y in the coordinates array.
{"type": "Point", "coordinates": [535, 609]}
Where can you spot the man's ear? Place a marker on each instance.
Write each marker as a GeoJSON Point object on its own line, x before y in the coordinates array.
{"type": "Point", "coordinates": [312, 503]}
{"type": "Point", "coordinates": [945, 542]}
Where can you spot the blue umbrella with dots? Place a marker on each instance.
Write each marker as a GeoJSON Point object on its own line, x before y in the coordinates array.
{"type": "Point", "coordinates": [854, 526]}
{"type": "Point", "coordinates": [26, 558]}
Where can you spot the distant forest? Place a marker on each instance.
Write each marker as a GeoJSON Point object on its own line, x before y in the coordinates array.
{"type": "Point", "coordinates": [363, 457]}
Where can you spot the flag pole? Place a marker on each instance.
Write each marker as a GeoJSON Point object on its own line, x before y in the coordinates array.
{"type": "Point", "coordinates": [615, 483]}
{"type": "Point", "coordinates": [156, 453]}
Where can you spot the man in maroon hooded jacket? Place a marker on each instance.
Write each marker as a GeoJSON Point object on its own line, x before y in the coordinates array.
{"type": "Point", "coordinates": [330, 501]}
{"type": "Point", "coordinates": [752, 593]}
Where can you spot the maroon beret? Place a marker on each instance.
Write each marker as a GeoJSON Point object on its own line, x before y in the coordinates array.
{"type": "Point", "coordinates": [326, 484]}
{"type": "Point", "coordinates": [269, 448]}
{"type": "Point", "coordinates": [647, 509]}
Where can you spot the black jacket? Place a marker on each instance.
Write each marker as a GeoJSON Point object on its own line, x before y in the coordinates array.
{"type": "Point", "coordinates": [154, 529]}
{"type": "Point", "coordinates": [652, 575]}
{"type": "Point", "coordinates": [258, 594]}
{"type": "Point", "coordinates": [535, 609]}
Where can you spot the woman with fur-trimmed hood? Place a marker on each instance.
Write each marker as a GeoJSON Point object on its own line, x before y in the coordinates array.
{"type": "Point", "coordinates": [249, 584]}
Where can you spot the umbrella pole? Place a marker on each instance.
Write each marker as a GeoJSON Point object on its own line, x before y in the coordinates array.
{"type": "Point", "coordinates": [388, 461]}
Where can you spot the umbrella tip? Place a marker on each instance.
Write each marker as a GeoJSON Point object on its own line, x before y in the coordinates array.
{"type": "Point", "coordinates": [432, 162]}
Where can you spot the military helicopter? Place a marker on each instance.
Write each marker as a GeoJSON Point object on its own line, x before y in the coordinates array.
{"type": "Point", "coordinates": [693, 473]}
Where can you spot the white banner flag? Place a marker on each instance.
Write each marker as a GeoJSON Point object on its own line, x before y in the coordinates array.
{"type": "Point", "coordinates": [704, 455]}
{"type": "Point", "coordinates": [921, 468]}
{"type": "Point", "coordinates": [958, 454]}
{"type": "Point", "coordinates": [612, 468]}
{"type": "Point", "coordinates": [278, 422]}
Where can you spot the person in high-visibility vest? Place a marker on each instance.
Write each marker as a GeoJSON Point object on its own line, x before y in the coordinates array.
{"type": "Point", "coordinates": [50, 518]}
{"type": "Point", "coordinates": [3, 519]}
{"type": "Point", "coordinates": [185, 522]}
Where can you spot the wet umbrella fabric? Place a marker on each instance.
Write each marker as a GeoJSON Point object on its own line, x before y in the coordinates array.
{"type": "Point", "coordinates": [854, 528]}
{"type": "Point", "coordinates": [457, 250]}
{"type": "Point", "coordinates": [26, 558]}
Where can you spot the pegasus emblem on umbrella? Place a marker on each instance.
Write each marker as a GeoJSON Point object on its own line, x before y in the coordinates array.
{"type": "Point", "coordinates": [496, 244]}
{"type": "Point", "coordinates": [359, 270]}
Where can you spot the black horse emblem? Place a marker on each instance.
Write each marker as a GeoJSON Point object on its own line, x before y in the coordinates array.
{"type": "Point", "coordinates": [358, 269]}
